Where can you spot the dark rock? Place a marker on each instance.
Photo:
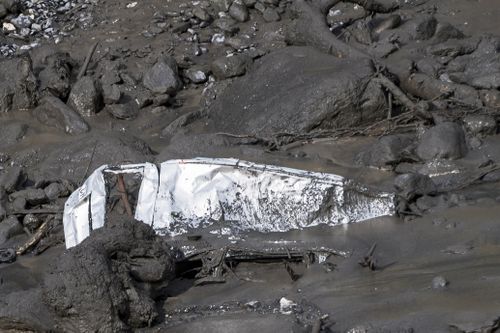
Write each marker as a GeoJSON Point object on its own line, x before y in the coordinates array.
{"type": "Point", "coordinates": [10, 178]}
{"type": "Point", "coordinates": [125, 111]}
{"type": "Point", "coordinates": [445, 140]}
{"type": "Point", "coordinates": [163, 77]}
{"type": "Point", "coordinates": [11, 133]}
{"type": "Point", "coordinates": [85, 97]}
{"type": "Point", "coordinates": [271, 15]}
{"type": "Point", "coordinates": [481, 125]}
{"type": "Point", "coordinates": [196, 75]}
{"type": "Point", "coordinates": [10, 227]}
{"type": "Point", "coordinates": [19, 204]}
{"type": "Point", "coordinates": [111, 94]}
{"type": "Point", "coordinates": [411, 185]}
{"type": "Point", "coordinates": [445, 31]}
{"type": "Point", "coordinates": [296, 90]}
{"type": "Point", "coordinates": [161, 99]}
{"type": "Point", "coordinates": [12, 6]}
{"type": "Point", "coordinates": [239, 11]}
{"type": "Point", "coordinates": [131, 265]}
{"type": "Point", "coordinates": [344, 14]}
{"type": "Point", "coordinates": [56, 76]}
{"type": "Point", "coordinates": [429, 66]}
{"type": "Point", "coordinates": [55, 190]}
{"type": "Point", "coordinates": [33, 196]}
{"type": "Point", "coordinates": [250, 3]}
{"type": "Point", "coordinates": [388, 150]}
{"type": "Point", "coordinates": [227, 67]}
{"type": "Point", "coordinates": [32, 222]}
{"type": "Point", "coordinates": [54, 113]}
{"type": "Point", "coordinates": [19, 91]}
{"type": "Point", "coordinates": [110, 72]}
{"type": "Point", "coordinates": [180, 27]}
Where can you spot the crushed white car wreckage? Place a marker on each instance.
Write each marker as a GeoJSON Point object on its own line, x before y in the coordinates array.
{"type": "Point", "coordinates": [182, 195]}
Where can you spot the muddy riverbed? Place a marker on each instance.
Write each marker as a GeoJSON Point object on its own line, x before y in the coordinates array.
{"type": "Point", "coordinates": [401, 96]}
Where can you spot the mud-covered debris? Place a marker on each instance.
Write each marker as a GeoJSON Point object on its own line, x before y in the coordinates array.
{"type": "Point", "coordinates": [56, 75]}
{"type": "Point", "coordinates": [11, 133]}
{"type": "Point", "coordinates": [110, 282]}
{"type": "Point", "coordinates": [10, 178]}
{"type": "Point", "coordinates": [445, 140]}
{"type": "Point", "coordinates": [388, 150]}
{"type": "Point", "coordinates": [111, 93]}
{"type": "Point", "coordinates": [7, 255]}
{"type": "Point", "coordinates": [124, 111]}
{"type": "Point", "coordinates": [480, 125]}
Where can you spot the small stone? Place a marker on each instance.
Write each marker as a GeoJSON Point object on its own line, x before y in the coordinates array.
{"type": "Point", "coordinates": [271, 15]}
{"type": "Point", "coordinates": [9, 228]}
{"type": "Point", "coordinates": [439, 282]}
{"type": "Point", "coordinates": [54, 190]}
{"type": "Point", "coordinates": [12, 133]}
{"type": "Point", "coordinates": [111, 94]}
{"type": "Point", "coordinates": [480, 125]}
{"type": "Point", "coordinates": [163, 77]}
{"type": "Point", "coordinates": [8, 27]}
{"type": "Point", "coordinates": [232, 66]}
{"type": "Point", "coordinates": [159, 109]}
{"type": "Point", "coordinates": [161, 100]}
{"type": "Point", "coordinates": [222, 5]}
{"type": "Point", "coordinates": [84, 97]}
{"type": "Point", "coordinates": [123, 111]}
{"type": "Point", "coordinates": [180, 27]}
{"type": "Point", "coordinates": [196, 75]}
{"type": "Point", "coordinates": [239, 11]}
{"type": "Point", "coordinates": [445, 140]}
{"type": "Point", "coordinates": [19, 204]}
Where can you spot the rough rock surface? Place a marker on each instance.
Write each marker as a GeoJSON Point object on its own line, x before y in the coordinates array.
{"type": "Point", "coordinates": [108, 283]}
{"type": "Point", "coordinates": [85, 97]}
{"type": "Point", "coordinates": [53, 112]}
{"type": "Point", "coordinates": [163, 77]}
{"type": "Point", "coordinates": [445, 140]}
{"type": "Point", "coordinates": [295, 90]}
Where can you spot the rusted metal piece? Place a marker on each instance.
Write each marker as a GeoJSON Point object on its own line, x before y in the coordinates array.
{"type": "Point", "coordinates": [123, 192]}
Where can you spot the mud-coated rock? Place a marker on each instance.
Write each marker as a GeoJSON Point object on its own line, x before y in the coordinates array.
{"type": "Point", "coordinates": [10, 178]}
{"type": "Point", "coordinates": [227, 67]}
{"type": "Point", "coordinates": [445, 140]}
{"type": "Point", "coordinates": [10, 227]}
{"type": "Point", "coordinates": [56, 76]}
{"type": "Point", "coordinates": [481, 125]}
{"type": "Point", "coordinates": [85, 97]}
{"type": "Point", "coordinates": [411, 185]}
{"type": "Point", "coordinates": [196, 75]}
{"type": "Point", "coordinates": [33, 196]}
{"type": "Point", "coordinates": [18, 89]}
{"type": "Point", "coordinates": [54, 113]}
{"type": "Point", "coordinates": [239, 11]}
{"type": "Point", "coordinates": [388, 150]}
{"type": "Point", "coordinates": [111, 94]}
{"type": "Point", "coordinates": [124, 111]}
{"type": "Point", "coordinates": [108, 282]}
{"type": "Point", "coordinates": [163, 77]}
{"type": "Point", "coordinates": [296, 90]}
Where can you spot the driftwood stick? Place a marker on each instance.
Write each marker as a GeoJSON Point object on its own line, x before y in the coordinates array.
{"type": "Point", "coordinates": [395, 91]}
{"type": "Point", "coordinates": [37, 236]}
{"type": "Point", "coordinates": [86, 63]}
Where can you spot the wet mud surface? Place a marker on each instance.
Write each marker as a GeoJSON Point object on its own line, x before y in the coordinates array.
{"type": "Point", "coordinates": [402, 96]}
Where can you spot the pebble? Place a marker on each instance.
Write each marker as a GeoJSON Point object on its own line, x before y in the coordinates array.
{"type": "Point", "coordinates": [439, 282]}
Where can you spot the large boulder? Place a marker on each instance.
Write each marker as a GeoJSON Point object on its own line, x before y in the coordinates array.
{"type": "Point", "coordinates": [296, 90]}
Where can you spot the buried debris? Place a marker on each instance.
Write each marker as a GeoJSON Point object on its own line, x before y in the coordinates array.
{"type": "Point", "coordinates": [184, 195]}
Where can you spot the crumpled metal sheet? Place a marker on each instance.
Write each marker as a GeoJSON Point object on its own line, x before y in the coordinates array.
{"type": "Point", "coordinates": [202, 192]}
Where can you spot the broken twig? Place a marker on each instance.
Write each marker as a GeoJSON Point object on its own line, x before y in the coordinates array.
{"type": "Point", "coordinates": [86, 63]}
{"type": "Point", "coordinates": [124, 196]}
{"type": "Point", "coordinates": [37, 236]}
